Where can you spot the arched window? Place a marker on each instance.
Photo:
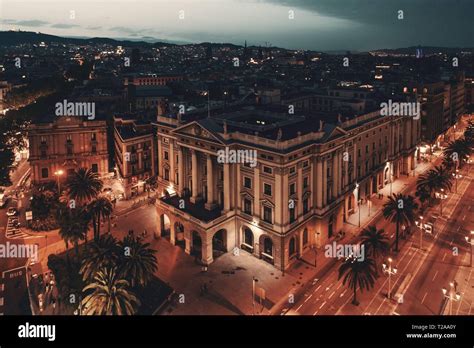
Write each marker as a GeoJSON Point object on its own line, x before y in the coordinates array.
{"type": "Point", "coordinates": [268, 246]}
{"type": "Point", "coordinates": [305, 236]}
{"type": "Point", "coordinates": [248, 236]}
{"type": "Point", "coordinates": [292, 247]}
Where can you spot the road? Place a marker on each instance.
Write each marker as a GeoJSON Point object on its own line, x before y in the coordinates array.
{"type": "Point", "coordinates": [427, 270]}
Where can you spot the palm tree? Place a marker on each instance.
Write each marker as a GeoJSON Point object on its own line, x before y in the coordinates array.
{"type": "Point", "coordinates": [137, 262]}
{"type": "Point", "coordinates": [83, 186]}
{"type": "Point", "coordinates": [433, 181]}
{"type": "Point", "coordinates": [424, 196]}
{"type": "Point", "coordinates": [400, 209]}
{"type": "Point", "coordinates": [73, 226]}
{"type": "Point", "coordinates": [376, 243]}
{"type": "Point", "coordinates": [110, 295]}
{"type": "Point", "coordinates": [99, 254]}
{"type": "Point", "coordinates": [99, 208]}
{"type": "Point", "coordinates": [461, 148]}
{"type": "Point", "coordinates": [357, 274]}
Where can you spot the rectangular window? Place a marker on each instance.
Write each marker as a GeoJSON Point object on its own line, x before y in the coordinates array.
{"type": "Point", "coordinates": [247, 182]}
{"type": "Point", "coordinates": [267, 214]}
{"type": "Point", "coordinates": [167, 174]}
{"type": "Point", "coordinates": [267, 170]}
{"type": "Point", "coordinates": [247, 206]}
{"type": "Point", "coordinates": [267, 189]}
{"type": "Point", "coordinates": [95, 168]}
{"type": "Point", "coordinates": [305, 206]}
{"type": "Point", "coordinates": [292, 215]}
{"type": "Point", "coordinates": [292, 189]}
{"type": "Point", "coordinates": [292, 170]}
{"type": "Point", "coordinates": [166, 155]}
{"type": "Point", "coordinates": [44, 173]}
{"type": "Point", "coordinates": [305, 182]}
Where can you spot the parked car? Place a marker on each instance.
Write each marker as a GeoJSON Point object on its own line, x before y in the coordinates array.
{"type": "Point", "coordinates": [12, 211]}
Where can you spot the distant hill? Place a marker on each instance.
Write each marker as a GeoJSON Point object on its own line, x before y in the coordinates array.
{"type": "Point", "coordinates": [11, 38]}
{"type": "Point", "coordinates": [427, 50]}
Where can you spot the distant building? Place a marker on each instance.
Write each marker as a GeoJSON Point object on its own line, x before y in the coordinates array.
{"type": "Point", "coordinates": [67, 143]}
{"type": "Point", "coordinates": [135, 154]}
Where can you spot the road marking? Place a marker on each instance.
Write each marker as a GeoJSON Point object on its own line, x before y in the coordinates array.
{"type": "Point", "coordinates": [331, 294]}
{"type": "Point", "coordinates": [452, 240]}
{"type": "Point", "coordinates": [459, 227]}
{"type": "Point", "coordinates": [322, 305]}
{"type": "Point", "coordinates": [297, 309]}
{"type": "Point", "coordinates": [444, 256]}
{"type": "Point", "coordinates": [308, 298]}
{"type": "Point", "coordinates": [316, 289]}
{"type": "Point", "coordinates": [316, 312]}
{"type": "Point", "coordinates": [343, 293]}
{"type": "Point", "coordinates": [339, 286]}
{"type": "Point", "coordinates": [424, 296]}
{"type": "Point", "coordinates": [435, 275]}
{"type": "Point", "coordinates": [464, 218]}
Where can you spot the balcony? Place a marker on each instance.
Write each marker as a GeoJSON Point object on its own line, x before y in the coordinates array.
{"type": "Point", "coordinates": [193, 210]}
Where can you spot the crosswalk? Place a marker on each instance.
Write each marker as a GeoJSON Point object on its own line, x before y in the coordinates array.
{"type": "Point", "coordinates": [15, 232]}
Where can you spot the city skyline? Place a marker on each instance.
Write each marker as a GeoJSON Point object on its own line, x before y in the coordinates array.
{"type": "Point", "coordinates": [312, 25]}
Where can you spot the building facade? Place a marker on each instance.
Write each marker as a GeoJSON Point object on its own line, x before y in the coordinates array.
{"type": "Point", "coordinates": [66, 144]}
{"type": "Point", "coordinates": [308, 178]}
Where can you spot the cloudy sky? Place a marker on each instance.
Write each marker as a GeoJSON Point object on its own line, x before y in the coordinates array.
{"type": "Point", "coordinates": [297, 24]}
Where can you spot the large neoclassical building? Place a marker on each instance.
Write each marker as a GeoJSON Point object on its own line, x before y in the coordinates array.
{"type": "Point", "coordinates": [310, 175]}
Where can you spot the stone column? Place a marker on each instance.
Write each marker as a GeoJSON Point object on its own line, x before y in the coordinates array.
{"type": "Point", "coordinates": [210, 184]}
{"type": "Point", "coordinates": [319, 184]}
{"type": "Point", "coordinates": [160, 159]}
{"type": "Point", "coordinates": [256, 192]}
{"type": "Point", "coordinates": [277, 191]}
{"type": "Point", "coordinates": [194, 170]}
{"type": "Point", "coordinates": [172, 162]}
{"type": "Point", "coordinates": [172, 234]}
{"type": "Point", "coordinates": [227, 184]}
{"type": "Point", "coordinates": [334, 175]}
{"type": "Point", "coordinates": [181, 182]}
{"type": "Point", "coordinates": [206, 251]}
{"type": "Point", "coordinates": [299, 189]}
{"type": "Point", "coordinates": [325, 183]}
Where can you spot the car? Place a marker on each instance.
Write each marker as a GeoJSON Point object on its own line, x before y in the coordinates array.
{"type": "Point", "coordinates": [12, 211]}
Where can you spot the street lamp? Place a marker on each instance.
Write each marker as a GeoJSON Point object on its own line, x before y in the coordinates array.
{"type": "Point", "coordinates": [254, 281]}
{"type": "Point", "coordinates": [360, 203]}
{"type": "Point", "coordinates": [456, 177]}
{"type": "Point", "coordinates": [420, 225]}
{"type": "Point", "coordinates": [470, 240]}
{"type": "Point", "coordinates": [451, 295]}
{"type": "Point", "coordinates": [388, 269]}
{"type": "Point", "coordinates": [442, 196]}
{"type": "Point", "coordinates": [58, 173]}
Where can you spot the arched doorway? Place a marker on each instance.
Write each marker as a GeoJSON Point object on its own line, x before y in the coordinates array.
{"type": "Point", "coordinates": [292, 248]}
{"type": "Point", "coordinates": [266, 252]}
{"type": "Point", "coordinates": [219, 243]}
{"type": "Point", "coordinates": [196, 246]}
{"type": "Point", "coordinates": [165, 225]}
{"type": "Point", "coordinates": [248, 240]}
{"type": "Point", "coordinates": [179, 234]}
{"type": "Point", "coordinates": [386, 176]}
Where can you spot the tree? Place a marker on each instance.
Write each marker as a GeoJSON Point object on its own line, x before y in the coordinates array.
{"type": "Point", "coordinates": [357, 274]}
{"type": "Point", "coordinates": [99, 208]}
{"type": "Point", "coordinates": [376, 243]}
{"type": "Point", "coordinates": [458, 150]}
{"type": "Point", "coordinates": [433, 181]}
{"type": "Point", "coordinates": [110, 295]}
{"type": "Point", "coordinates": [83, 186]}
{"type": "Point", "coordinates": [137, 261]}
{"type": "Point", "coordinates": [99, 254]}
{"type": "Point", "coordinates": [73, 226]}
{"type": "Point", "coordinates": [400, 209]}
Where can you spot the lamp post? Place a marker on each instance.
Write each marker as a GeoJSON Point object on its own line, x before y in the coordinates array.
{"type": "Point", "coordinates": [456, 176]}
{"type": "Point", "coordinates": [420, 225]}
{"type": "Point", "coordinates": [451, 295]}
{"type": "Point", "coordinates": [470, 240]}
{"type": "Point", "coordinates": [359, 202]}
{"type": "Point", "coordinates": [442, 196]}
{"type": "Point", "coordinates": [254, 281]}
{"type": "Point", "coordinates": [388, 269]}
{"type": "Point", "coordinates": [58, 173]}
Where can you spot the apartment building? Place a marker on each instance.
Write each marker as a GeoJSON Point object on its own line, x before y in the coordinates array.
{"type": "Point", "coordinates": [309, 176]}
{"type": "Point", "coordinates": [66, 144]}
{"type": "Point", "coordinates": [135, 153]}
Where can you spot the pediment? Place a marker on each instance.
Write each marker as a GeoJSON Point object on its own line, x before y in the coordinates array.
{"type": "Point", "coordinates": [196, 130]}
